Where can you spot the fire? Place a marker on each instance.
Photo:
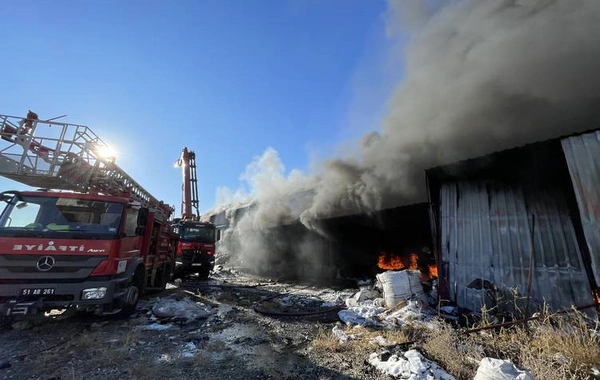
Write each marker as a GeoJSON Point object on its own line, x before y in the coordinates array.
{"type": "Point", "coordinates": [433, 271]}
{"type": "Point", "coordinates": [390, 262]}
{"type": "Point", "coordinates": [413, 261]}
{"type": "Point", "coordinates": [597, 296]}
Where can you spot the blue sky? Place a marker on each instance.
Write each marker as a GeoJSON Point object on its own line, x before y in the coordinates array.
{"type": "Point", "coordinates": [226, 78]}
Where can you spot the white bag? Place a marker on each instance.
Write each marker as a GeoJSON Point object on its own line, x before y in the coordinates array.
{"type": "Point", "coordinates": [401, 286]}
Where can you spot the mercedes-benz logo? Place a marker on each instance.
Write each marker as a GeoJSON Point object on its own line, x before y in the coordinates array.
{"type": "Point", "coordinates": [45, 263]}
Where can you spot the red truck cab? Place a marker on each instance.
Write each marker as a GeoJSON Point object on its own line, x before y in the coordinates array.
{"type": "Point", "coordinates": [96, 252]}
{"type": "Point", "coordinates": [196, 247]}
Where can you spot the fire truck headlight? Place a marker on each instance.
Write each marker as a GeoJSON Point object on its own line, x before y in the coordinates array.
{"type": "Point", "coordinates": [93, 293]}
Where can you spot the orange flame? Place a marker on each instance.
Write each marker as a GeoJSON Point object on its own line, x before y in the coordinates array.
{"type": "Point", "coordinates": [597, 295]}
{"type": "Point", "coordinates": [433, 271]}
{"type": "Point", "coordinates": [413, 262]}
{"type": "Point", "coordinates": [389, 262]}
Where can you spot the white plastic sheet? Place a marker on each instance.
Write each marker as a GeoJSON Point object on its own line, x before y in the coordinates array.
{"type": "Point", "coordinates": [497, 369]}
{"type": "Point", "coordinates": [411, 365]}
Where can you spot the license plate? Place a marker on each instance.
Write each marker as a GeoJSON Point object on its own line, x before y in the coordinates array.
{"type": "Point", "coordinates": [37, 292]}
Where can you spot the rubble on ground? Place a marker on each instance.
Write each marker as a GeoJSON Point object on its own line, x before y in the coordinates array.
{"type": "Point", "coordinates": [395, 300]}
{"type": "Point", "coordinates": [181, 310]}
{"type": "Point", "coordinates": [211, 326]}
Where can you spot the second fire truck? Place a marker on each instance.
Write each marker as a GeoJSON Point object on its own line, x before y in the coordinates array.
{"type": "Point", "coordinates": [196, 248]}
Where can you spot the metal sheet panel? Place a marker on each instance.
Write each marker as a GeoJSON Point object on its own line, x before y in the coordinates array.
{"type": "Point", "coordinates": [486, 233]}
{"type": "Point", "coordinates": [583, 158]}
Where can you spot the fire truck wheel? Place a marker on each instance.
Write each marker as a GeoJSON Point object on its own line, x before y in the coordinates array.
{"type": "Point", "coordinates": [203, 273]}
{"type": "Point", "coordinates": [132, 295]}
{"type": "Point", "coordinates": [165, 275]}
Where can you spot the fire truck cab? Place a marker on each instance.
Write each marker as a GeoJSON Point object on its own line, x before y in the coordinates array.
{"type": "Point", "coordinates": [196, 247]}
{"type": "Point", "coordinates": [91, 251]}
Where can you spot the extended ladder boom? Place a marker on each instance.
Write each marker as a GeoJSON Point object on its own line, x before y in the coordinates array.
{"type": "Point", "coordinates": [55, 155]}
{"type": "Point", "coordinates": [189, 188]}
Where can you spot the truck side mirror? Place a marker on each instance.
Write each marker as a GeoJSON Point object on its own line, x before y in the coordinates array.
{"type": "Point", "coordinates": [7, 196]}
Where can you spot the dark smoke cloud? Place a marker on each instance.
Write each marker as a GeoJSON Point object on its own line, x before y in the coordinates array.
{"type": "Point", "coordinates": [480, 76]}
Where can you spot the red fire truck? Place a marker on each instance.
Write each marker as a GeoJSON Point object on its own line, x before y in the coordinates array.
{"type": "Point", "coordinates": [90, 238]}
{"type": "Point", "coordinates": [196, 248]}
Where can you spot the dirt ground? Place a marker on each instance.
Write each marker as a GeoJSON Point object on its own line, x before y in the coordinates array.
{"type": "Point", "coordinates": [242, 332]}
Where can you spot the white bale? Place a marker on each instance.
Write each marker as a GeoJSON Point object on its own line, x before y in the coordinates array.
{"type": "Point", "coordinates": [401, 286]}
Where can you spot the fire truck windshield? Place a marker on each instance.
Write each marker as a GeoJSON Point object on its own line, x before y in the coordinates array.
{"type": "Point", "coordinates": [61, 217]}
{"type": "Point", "coordinates": [199, 234]}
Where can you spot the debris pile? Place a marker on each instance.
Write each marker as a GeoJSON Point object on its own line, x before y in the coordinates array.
{"type": "Point", "coordinates": [410, 365]}
{"type": "Point", "coordinates": [299, 305]}
{"type": "Point", "coordinates": [396, 299]}
{"type": "Point", "coordinates": [178, 310]}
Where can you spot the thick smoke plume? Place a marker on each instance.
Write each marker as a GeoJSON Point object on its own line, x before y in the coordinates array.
{"type": "Point", "coordinates": [480, 76]}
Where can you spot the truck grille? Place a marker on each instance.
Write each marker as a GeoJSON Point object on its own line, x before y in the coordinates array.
{"type": "Point", "coordinates": [195, 257]}
{"type": "Point", "coordinates": [23, 267]}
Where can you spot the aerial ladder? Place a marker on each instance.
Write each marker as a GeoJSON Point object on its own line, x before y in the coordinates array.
{"type": "Point", "coordinates": [189, 186]}
{"type": "Point", "coordinates": [62, 156]}
{"type": "Point", "coordinates": [97, 243]}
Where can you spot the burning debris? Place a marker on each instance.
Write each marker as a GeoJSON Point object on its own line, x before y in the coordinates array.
{"type": "Point", "coordinates": [412, 261]}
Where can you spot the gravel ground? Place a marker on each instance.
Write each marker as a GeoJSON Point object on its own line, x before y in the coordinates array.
{"type": "Point", "coordinates": [249, 328]}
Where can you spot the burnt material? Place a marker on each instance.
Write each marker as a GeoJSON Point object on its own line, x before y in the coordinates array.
{"type": "Point", "coordinates": [360, 239]}
{"type": "Point", "coordinates": [347, 246]}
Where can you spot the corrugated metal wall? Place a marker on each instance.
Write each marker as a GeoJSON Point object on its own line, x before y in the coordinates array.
{"type": "Point", "coordinates": [583, 158]}
{"type": "Point", "coordinates": [486, 234]}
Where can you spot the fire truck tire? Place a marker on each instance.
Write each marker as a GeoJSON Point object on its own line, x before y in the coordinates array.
{"type": "Point", "coordinates": [134, 291]}
{"type": "Point", "coordinates": [203, 273]}
{"type": "Point", "coordinates": [165, 275]}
